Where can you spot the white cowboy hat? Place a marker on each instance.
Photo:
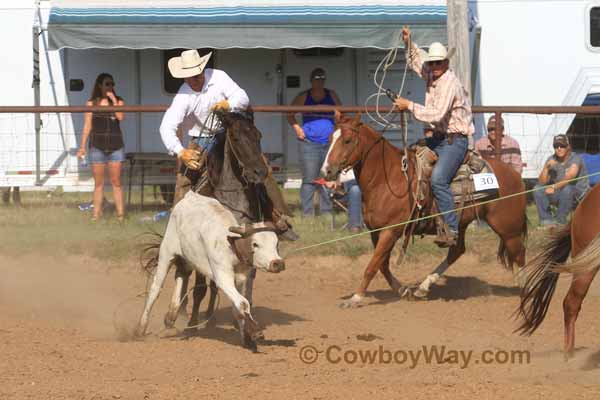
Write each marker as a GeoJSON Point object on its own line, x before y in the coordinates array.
{"type": "Point", "coordinates": [189, 64]}
{"type": "Point", "coordinates": [438, 52]}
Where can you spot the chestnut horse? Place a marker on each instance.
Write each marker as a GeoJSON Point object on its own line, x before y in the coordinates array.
{"type": "Point", "coordinates": [388, 199]}
{"type": "Point", "coordinates": [580, 239]}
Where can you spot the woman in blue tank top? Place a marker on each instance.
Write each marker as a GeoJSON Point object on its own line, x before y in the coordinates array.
{"type": "Point", "coordinates": [314, 139]}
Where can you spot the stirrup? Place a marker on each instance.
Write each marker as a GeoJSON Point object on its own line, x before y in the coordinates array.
{"type": "Point", "coordinates": [446, 239]}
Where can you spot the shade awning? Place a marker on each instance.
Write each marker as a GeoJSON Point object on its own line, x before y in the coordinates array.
{"type": "Point", "coordinates": [219, 24]}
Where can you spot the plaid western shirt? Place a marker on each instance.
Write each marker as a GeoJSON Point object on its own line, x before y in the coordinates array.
{"type": "Point", "coordinates": [447, 105]}
{"type": "Point", "coordinates": [510, 152]}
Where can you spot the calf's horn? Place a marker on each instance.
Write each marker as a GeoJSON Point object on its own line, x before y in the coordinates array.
{"type": "Point", "coordinates": [240, 230]}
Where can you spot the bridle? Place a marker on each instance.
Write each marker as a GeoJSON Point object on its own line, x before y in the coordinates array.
{"type": "Point", "coordinates": [356, 141]}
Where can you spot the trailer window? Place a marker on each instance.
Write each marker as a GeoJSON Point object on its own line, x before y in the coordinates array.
{"type": "Point", "coordinates": [595, 26]}
{"type": "Point", "coordinates": [171, 85]}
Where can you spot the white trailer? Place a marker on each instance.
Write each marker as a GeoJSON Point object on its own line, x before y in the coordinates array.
{"type": "Point", "coordinates": [537, 52]}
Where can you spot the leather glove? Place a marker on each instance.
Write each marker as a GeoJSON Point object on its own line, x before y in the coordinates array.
{"type": "Point", "coordinates": [191, 158]}
{"type": "Point", "coordinates": [222, 105]}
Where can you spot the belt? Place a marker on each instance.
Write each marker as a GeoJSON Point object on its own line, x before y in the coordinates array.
{"type": "Point", "coordinates": [449, 135]}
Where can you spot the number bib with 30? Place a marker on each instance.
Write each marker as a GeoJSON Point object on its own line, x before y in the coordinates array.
{"type": "Point", "coordinates": [485, 181]}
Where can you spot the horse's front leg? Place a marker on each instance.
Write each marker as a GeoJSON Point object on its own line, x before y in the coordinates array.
{"type": "Point", "coordinates": [249, 285]}
{"type": "Point", "coordinates": [384, 244]}
{"type": "Point", "coordinates": [198, 294]}
{"type": "Point", "coordinates": [453, 254]}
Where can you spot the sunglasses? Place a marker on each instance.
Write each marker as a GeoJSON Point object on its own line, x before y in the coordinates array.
{"type": "Point", "coordinates": [560, 146]}
{"type": "Point", "coordinates": [109, 84]}
{"type": "Point", "coordinates": [319, 77]}
{"type": "Point", "coordinates": [491, 129]}
{"type": "Point", "coordinates": [439, 62]}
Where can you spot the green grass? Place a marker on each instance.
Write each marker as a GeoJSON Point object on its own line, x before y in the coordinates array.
{"type": "Point", "coordinates": [54, 225]}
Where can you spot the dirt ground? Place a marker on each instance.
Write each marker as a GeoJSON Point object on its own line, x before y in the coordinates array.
{"type": "Point", "coordinates": [62, 324]}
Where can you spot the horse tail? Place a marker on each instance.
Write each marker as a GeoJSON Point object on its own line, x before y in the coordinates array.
{"type": "Point", "coordinates": [541, 281]}
{"type": "Point", "coordinates": [587, 260]}
{"type": "Point", "coordinates": [503, 254]}
{"type": "Point", "coordinates": [149, 253]}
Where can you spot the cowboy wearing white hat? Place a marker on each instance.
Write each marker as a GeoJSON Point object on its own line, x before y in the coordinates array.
{"type": "Point", "coordinates": [448, 110]}
{"type": "Point", "coordinates": [203, 91]}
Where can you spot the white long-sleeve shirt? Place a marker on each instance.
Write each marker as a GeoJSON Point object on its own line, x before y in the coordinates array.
{"type": "Point", "coordinates": [189, 109]}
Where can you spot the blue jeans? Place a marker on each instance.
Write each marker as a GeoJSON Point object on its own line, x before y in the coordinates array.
{"type": "Point", "coordinates": [450, 157]}
{"type": "Point", "coordinates": [565, 199]}
{"type": "Point", "coordinates": [312, 157]}
{"type": "Point", "coordinates": [208, 142]}
{"type": "Point", "coordinates": [354, 204]}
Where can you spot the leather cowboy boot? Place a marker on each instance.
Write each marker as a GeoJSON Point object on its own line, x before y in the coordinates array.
{"type": "Point", "coordinates": [445, 237]}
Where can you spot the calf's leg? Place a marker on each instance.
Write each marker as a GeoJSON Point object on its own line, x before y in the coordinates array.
{"type": "Point", "coordinates": [164, 261]}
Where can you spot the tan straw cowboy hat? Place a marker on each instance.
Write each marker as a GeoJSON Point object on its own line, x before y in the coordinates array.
{"type": "Point", "coordinates": [189, 64]}
{"type": "Point", "coordinates": [438, 52]}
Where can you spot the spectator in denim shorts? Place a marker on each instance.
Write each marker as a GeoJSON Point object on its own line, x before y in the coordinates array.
{"type": "Point", "coordinates": [106, 143]}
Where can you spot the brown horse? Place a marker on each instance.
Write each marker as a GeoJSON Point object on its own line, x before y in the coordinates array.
{"type": "Point", "coordinates": [581, 240]}
{"type": "Point", "coordinates": [388, 199]}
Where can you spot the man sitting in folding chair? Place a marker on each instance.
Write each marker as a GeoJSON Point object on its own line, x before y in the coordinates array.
{"type": "Point", "coordinates": [346, 188]}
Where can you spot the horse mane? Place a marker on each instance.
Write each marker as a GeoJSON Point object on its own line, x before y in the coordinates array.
{"type": "Point", "coordinates": [226, 118]}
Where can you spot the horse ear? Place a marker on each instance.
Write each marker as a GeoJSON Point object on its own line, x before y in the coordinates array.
{"type": "Point", "coordinates": [222, 116]}
{"type": "Point", "coordinates": [337, 116]}
{"type": "Point", "coordinates": [357, 118]}
{"type": "Point", "coordinates": [250, 113]}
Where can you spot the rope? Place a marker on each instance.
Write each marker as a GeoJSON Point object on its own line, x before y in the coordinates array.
{"type": "Point", "coordinates": [535, 189]}
{"type": "Point", "coordinates": [388, 60]}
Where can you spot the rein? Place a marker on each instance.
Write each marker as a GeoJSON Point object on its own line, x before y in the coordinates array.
{"type": "Point", "coordinates": [228, 155]}
{"type": "Point", "coordinates": [413, 205]}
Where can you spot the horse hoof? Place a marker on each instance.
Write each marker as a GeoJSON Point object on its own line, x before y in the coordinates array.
{"type": "Point", "coordinates": [211, 323]}
{"type": "Point", "coordinates": [419, 294]}
{"type": "Point", "coordinates": [250, 344]}
{"type": "Point", "coordinates": [404, 291]}
{"type": "Point", "coordinates": [353, 302]}
{"type": "Point", "coordinates": [190, 332]}
{"type": "Point", "coordinates": [170, 319]}
{"type": "Point", "coordinates": [139, 333]}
